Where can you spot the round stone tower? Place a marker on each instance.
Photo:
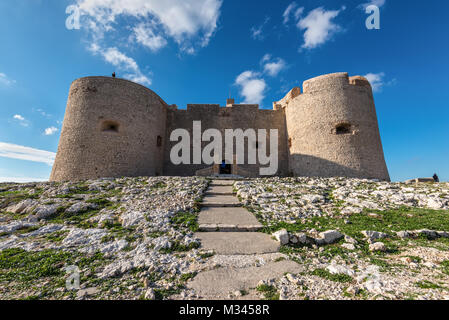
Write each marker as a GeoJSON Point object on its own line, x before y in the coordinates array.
{"type": "Point", "coordinates": [333, 130]}
{"type": "Point", "coordinates": [112, 128]}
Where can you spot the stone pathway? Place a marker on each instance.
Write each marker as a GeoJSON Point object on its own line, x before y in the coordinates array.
{"type": "Point", "coordinates": [230, 231]}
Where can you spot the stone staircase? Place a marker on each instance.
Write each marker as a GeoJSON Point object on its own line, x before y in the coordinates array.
{"type": "Point", "coordinates": [226, 227]}
{"type": "Point", "coordinates": [244, 255]}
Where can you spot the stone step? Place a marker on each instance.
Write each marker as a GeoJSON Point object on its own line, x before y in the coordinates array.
{"type": "Point", "coordinates": [228, 220]}
{"type": "Point", "coordinates": [219, 283]}
{"type": "Point", "coordinates": [229, 243]}
{"type": "Point", "coordinates": [228, 228]}
{"type": "Point", "coordinates": [221, 201]}
{"type": "Point", "coordinates": [220, 190]}
{"type": "Point", "coordinates": [222, 182]}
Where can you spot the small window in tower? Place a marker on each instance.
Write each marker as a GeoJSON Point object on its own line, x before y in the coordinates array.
{"type": "Point", "coordinates": [289, 142]}
{"type": "Point", "coordinates": [344, 128]}
{"type": "Point", "coordinates": [110, 126]}
{"type": "Point", "coordinates": [159, 141]}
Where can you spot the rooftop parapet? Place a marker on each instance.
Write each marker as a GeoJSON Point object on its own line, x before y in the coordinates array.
{"type": "Point", "coordinates": [203, 107]}
{"type": "Point", "coordinates": [296, 91]}
{"type": "Point", "coordinates": [360, 81]}
{"type": "Point", "coordinates": [326, 82]}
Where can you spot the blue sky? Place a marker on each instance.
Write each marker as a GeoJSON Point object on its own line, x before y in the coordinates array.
{"type": "Point", "coordinates": [197, 51]}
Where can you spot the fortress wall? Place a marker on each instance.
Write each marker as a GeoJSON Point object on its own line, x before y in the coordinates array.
{"type": "Point", "coordinates": [110, 129]}
{"type": "Point", "coordinates": [235, 117]}
{"type": "Point", "coordinates": [333, 129]}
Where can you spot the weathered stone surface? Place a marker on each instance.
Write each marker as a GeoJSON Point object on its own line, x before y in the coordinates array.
{"type": "Point", "coordinates": [221, 201]}
{"type": "Point", "coordinates": [220, 190]}
{"type": "Point", "coordinates": [237, 243]}
{"type": "Point", "coordinates": [282, 236]}
{"type": "Point", "coordinates": [222, 183]}
{"type": "Point", "coordinates": [228, 280]}
{"type": "Point", "coordinates": [374, 235]}
{"type": "Point", "coordinates": [378, 246]}
{"type": "Point", "coordinates": [227, 216]}
{"type": "Point", "coordinates": [329, 237]}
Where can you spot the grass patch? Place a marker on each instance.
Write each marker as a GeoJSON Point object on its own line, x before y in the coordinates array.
{"type": "Point", "coordinates": [269, 292]}
{"type": "Point", "coordinates": [206, 255]}
{"type": "Point", "coordinates": [185, 220]}
{"type": "Point", "coordinates": [404, 218]}
{"type": "Point", "coordinates": [187, 276]}
{"type": "Point", "coordinates": [177, 246]}
{"type": "Point", "coordinates": [445, 266]}
{"type": "Point", "coordinates": [425, 284]}
{"type": "Point", "coordinates": [162, 294]}
{"type": "Point", "coordinates": [322, 273]}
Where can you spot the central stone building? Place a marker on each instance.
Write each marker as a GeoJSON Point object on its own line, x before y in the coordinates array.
{"type": "Point", "coordinates": [114, 128]}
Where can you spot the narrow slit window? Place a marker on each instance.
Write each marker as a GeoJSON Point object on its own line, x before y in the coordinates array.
{"type": "Point", "coordinates": [344, 128]}
{"type": "Point", "coordinates": [110, 126]}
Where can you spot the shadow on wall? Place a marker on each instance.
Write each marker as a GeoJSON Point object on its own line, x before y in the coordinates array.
{"type": "Point", "coordinates": [309, 166]}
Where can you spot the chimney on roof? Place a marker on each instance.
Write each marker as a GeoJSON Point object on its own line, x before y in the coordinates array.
{"type": "Point", "coordinates": [230, 102]}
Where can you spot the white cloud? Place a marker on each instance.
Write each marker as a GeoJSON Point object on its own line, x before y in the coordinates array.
{"type": "Point", "coordinates": [252, 87]}
{"type": "Point", "coordinates": [273, 68]}
{"type": "Point", "coordinates": [13, 151]}
{"type": "Point", "coordinates": [318, 27]}
{"type": "Point", "coordinates": [21, 120]}
{"type": "Point", "coordinates": [145, 35]}
{"type": "Point", "coordinates": [190, 23]}
{"type": "Point", "coordinates": [50, 131]}
{"type": "Point", "coordinates": [21, 179]}
{"type": "Point", "coordinates": [257, 32]}
{"type": "Point", "coordinates": [5, 80]}
{"type": "Point", "coordinates": [378, 82]}
{"type": "Point", "coordinates": [123, 62]}
{"type": "Point", "coordinates": [377, 3]}
{"type": "Point", "coordinates": [288, 11]}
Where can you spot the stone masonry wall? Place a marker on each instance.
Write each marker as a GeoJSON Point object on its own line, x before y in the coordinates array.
{"type": "Point", "coordinates": [235, 117]}
{"type": "Point", "coordinates": [110, 129]}
{"type": "Point", "coordinates": [333, 129]}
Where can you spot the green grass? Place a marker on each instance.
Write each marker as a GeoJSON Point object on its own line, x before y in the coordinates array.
{"type": "Point", "coordinates": [23, 266]}
{"type": "Point", "coordinates": [187, 276]}
{"type": "Point", "coordinates": [322, 273]}
{"type": "Point", "coordinates": [162, 294]}
{"type": "Point", "coordinates": [207, 255]}
{"type": "Point", "coordinates": [425, 284]}
{"type": "Point", "coordinates": [401, 219]}
{"type": "Point", "coordinates": [80, 219]}
{"type": "Point", "coordinates": [9, 198]}
{"type": "Point", "coordinates": [445, 266]}
{"type": "Point", "coordinates": [269, 292]}
{"type": "Point", "coordinates": [177, 246]}
{"type": "Point", "coordinates": [186, 220]}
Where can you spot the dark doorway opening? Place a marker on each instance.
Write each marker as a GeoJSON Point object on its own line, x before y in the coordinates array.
{"type": "Point", "coordinates": [225, 168]}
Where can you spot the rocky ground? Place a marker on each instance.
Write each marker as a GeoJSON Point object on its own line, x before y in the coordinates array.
{"type": "Point", "coordinates": [133, 238]}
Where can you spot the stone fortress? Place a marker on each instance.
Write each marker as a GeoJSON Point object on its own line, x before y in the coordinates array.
{"type": "Point", "coordinates": [114, 128]}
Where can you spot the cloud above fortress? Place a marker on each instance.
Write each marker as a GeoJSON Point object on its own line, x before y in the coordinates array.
{"type": "Point", "coordinates": [150, 24]}
{"type": "Point", "coordinates": [190, 23]}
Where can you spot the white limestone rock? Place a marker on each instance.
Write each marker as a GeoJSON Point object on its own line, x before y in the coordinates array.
{"type": "Point", "coordinates": [282, 236]}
